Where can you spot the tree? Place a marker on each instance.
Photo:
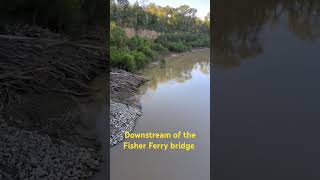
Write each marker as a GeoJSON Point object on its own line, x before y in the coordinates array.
{"type": "Point", "coordinates": [124, 12]}
{"type": "Point", "coordinates": [163, 19]}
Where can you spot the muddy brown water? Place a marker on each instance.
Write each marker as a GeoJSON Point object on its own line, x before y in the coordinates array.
{"type": "Point", "coordinates": [266, 90]}
{"type": "Point", "coordinates": [176, 99]}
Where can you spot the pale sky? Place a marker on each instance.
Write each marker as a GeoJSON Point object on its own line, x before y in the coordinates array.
{"type": "Point", "coordinates": [202, 6]}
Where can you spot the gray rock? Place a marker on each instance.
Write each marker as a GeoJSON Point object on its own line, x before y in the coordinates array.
{"type": "Point", "coordinates": [125, 106]}
{"type": "Point", "coordinates": [29, 155]}
{"type": "Point", "coordinates": [122, 119]}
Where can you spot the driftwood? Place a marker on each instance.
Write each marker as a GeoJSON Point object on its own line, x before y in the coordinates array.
{"type": "Point", "coordinates": [39, 65]}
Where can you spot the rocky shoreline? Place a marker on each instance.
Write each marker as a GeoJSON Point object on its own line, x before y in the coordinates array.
{"type": "Point", "coordinates": [125, 106]}
{"type": "Point", "coordinates": [43, 134]}
{"type": "Point", "coordinates": [30, 155]}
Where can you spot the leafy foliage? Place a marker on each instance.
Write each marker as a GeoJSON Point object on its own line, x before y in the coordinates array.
{"type": "Point", "coordinates": [129, 54]}
{"type": "Point", "coordinates": [180, 42]}
{"type": "Point", "coordinates": [162, 19]}
{"type": "Point", "coordinates": [117, 36]}
{"type": "Point", "coordinates": [140, 59]}
{"type": "Point", "coordinates": [180, 31]}
{"type": "Point", "coordinates": [122, 59]}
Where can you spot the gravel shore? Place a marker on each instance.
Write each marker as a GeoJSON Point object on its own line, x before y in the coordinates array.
{"type": "Point", "coordinates": [30, 155]}
{"type": "Point", "coordinates": [122, 119]}
{"type": "Point", "coordinates": [125, 106]}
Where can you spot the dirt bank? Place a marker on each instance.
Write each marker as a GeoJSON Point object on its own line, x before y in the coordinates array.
{"type": "Point", "coordinates": [131, 32]}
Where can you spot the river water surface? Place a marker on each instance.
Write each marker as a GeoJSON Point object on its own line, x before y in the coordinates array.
{"type": "Point", "coordinates": [266, 118]}
{"type": "Point", "coordinates": [177, 98]}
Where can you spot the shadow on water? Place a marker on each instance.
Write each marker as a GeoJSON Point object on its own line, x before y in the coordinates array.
{"type": "Point", "coordinates": [266, 95]}
{"type": "Point", "coordinates": [238, 26]}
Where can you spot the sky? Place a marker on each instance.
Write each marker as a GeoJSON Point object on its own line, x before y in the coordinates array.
{"type": "Point", "coordinates": [202, 6]}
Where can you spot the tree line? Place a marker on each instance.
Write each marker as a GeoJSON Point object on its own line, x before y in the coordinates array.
{"type": "Point", "coordinates": [180, 31]}
{"type": "Point", "coordinates": [162, 19]}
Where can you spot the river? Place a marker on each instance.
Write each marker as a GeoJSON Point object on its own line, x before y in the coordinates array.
{"type": "Point", "coordinates": [177, 98]}
{"type": "Point", "coordinates": [266, 90]}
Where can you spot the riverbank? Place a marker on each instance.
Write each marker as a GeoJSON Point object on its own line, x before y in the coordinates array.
{"type": "Point", "coordinates": [125, 106]}
{"type": "Point", "coordinates": [44, 124]}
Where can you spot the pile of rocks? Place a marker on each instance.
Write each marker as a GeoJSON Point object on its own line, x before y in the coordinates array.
{"type": "Point", "coordinates": [29, 155]}
{"type": "Point", "coordinates": [122, 119]}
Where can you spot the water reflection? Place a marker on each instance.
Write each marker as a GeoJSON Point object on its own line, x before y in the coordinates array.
{"type": "Point", "coordinates": [266, 107]}
{"type": "Point", "coordinates": [176, 99]}
{"type": "Point", "coordinates": [179, 68]}
{"type": "Point", "coordinates": [238, 27]}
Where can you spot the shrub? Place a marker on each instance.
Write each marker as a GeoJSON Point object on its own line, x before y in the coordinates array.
{"type": "Point", "coordinates": [133, 43]}
{"type": "Point", "coordinates": [115, 56]}
{"type": "Point", "coordinates": [158, 47]}
{"type": "Point", "coordinates": [140, 59]}
{"type": "Point", "coordinates": [183, 41]}
{"type": "Point", "coordinates": [122, 59]}
{"type": "Point", "coordinates": [200, 43]}
{"type": "Point", "coordinates": [177, 47]}
{"type": "Point", "coordinates": [118, 37]}
{"type": "Point", "coordinates": [162, 39]}
{"type": "Point", "coordinates": [127, 62]}
{"type": "Point", "coordinates": [142, 43]}
{"type": "Point", "coordinates": [147, 51]}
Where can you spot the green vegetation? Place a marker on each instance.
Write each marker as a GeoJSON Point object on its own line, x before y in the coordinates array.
{"type": "Point", "coordinates": [180, 42]}
{"type": "Point", "coordinates": [131, 54]}
{"type": "Point", "coordinates": [161, 19]}
{"type": "Point", "coordinates": [180, 31]}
